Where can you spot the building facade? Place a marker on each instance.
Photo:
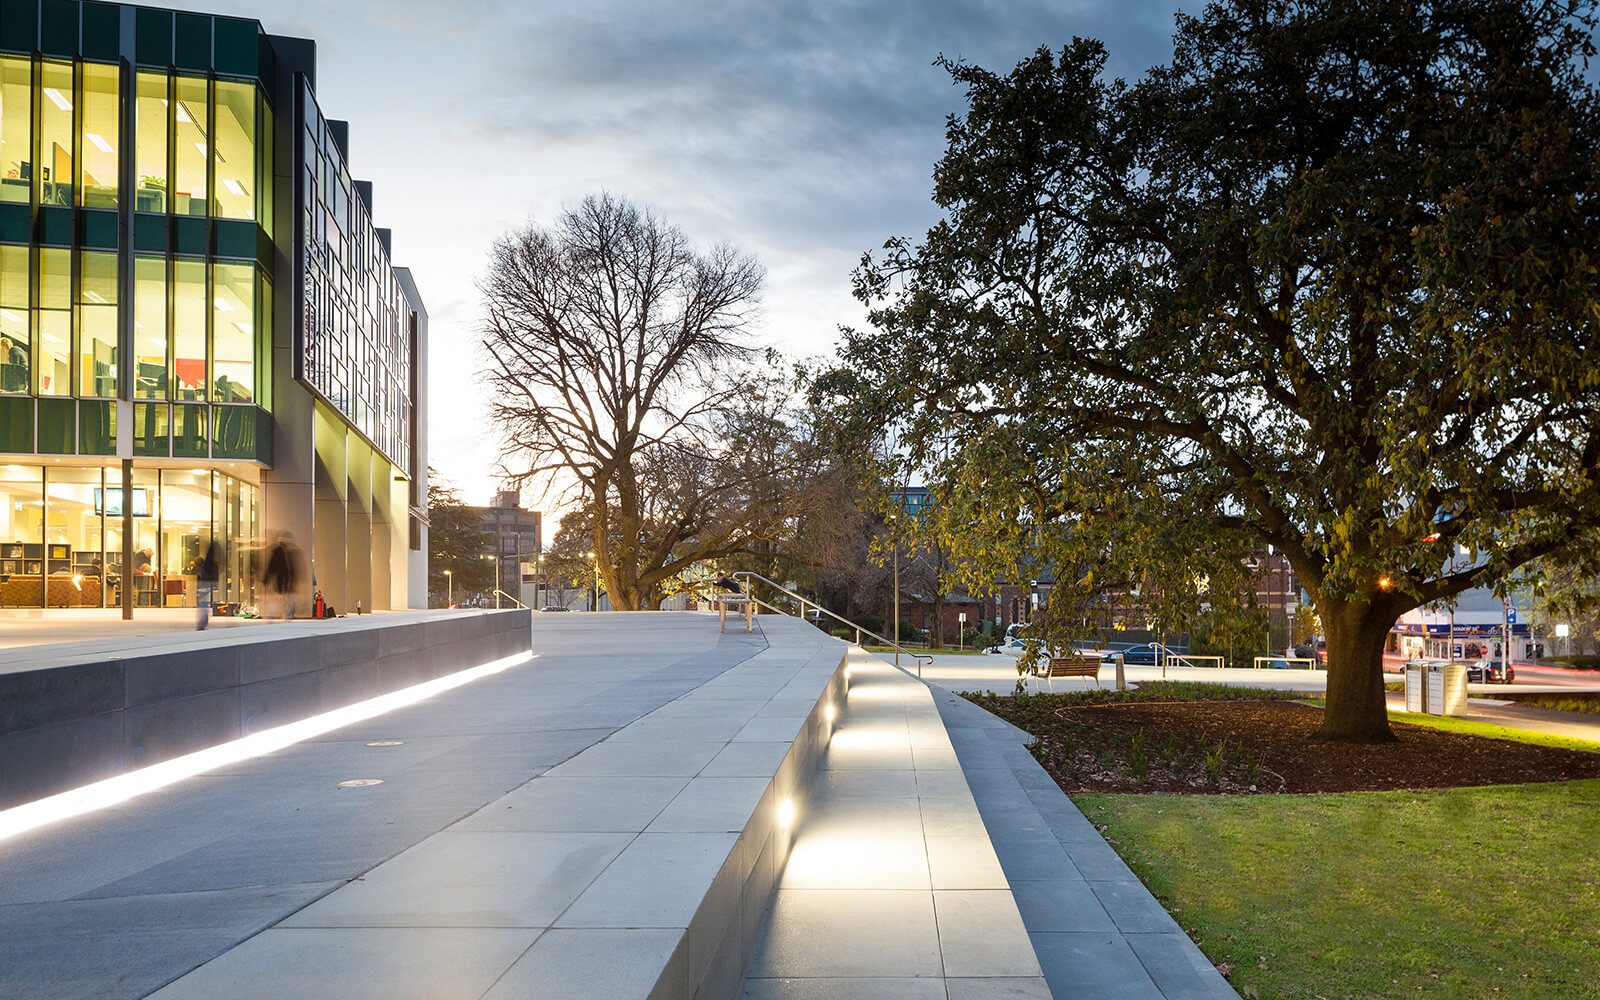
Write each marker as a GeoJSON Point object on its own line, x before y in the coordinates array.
{"type": "Point", "coordinates": [202, 337]}
{"type": "Point", "coordinates": [513, 534]}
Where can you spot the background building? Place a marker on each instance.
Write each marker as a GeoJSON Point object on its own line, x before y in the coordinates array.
{"type": "Point", "coordinates": [201, 333]}
{"type": "Point", "coordinates": [514, 537]}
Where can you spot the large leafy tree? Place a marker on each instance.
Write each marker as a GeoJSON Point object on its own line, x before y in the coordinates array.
{"type": "Point", "coordinates": [457, 542]}
{"type": "Point", "coordinates": [1326, 280]}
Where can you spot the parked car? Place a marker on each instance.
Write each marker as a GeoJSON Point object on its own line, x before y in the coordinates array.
{"type": "Point", "coordinates": [1144, 654]}
{"type": "Point", "coordinates": [1488, 671]}
{"type": "Point", "coordinates": [1277, 663]}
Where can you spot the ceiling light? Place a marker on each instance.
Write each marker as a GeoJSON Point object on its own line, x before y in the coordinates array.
{"type": "Point", "coordinates": [201, 147]}
{"type": "Point", "coordinates": [183, 114]}
{"type": "Point", "coordinates": [94, 296]}
{"type": "Point", "coordinates": [14, 317]}
{"type": "Point", "coordinates": [222, 304]}
{"type": "Point", "coordinates": [99, 142]}
{"type": "Point", "coordinates": [58, 99]}
{"type": "Point", "coordinates": [234, 186]}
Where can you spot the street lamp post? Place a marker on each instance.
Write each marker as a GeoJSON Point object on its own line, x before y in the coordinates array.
{"type": "Point", "coordinates": [594, 594]}
{"type": "Point", "coordinates": [449, 589]}
{"type": "Point", "coordinates": [496, 561]}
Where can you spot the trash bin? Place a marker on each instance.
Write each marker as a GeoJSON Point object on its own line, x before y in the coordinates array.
{"type": "Point", "coordinates": [1416, 688]}
{"type": "Point", "coordinates": [1447, 689]}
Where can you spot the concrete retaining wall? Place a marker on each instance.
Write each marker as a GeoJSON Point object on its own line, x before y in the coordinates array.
{"type": "Point", "coordinates": [68, 725]}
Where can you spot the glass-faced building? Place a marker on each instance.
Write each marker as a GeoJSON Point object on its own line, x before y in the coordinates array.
{"type": "Point", "coordinates": [201, 334]}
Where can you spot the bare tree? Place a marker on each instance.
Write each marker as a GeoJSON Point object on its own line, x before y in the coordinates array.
{"type": "Point", "coordinates": [620, 357]}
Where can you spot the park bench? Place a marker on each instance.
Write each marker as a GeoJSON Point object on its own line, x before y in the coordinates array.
{"type": "Point", "coordinates": [737, 602]}
{"type": "Point", "coordinates": [1071, 666]}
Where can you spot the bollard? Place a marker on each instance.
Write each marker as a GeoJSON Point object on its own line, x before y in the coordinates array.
{"type": "Point", "coordinates": [1122, 678]}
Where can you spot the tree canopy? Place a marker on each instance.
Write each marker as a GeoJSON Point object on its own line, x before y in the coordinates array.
{"type": "Point", "coordinates": [1325, 280]}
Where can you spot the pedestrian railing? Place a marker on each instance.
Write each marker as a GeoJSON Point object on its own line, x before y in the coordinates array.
{"type": "Point", "coordinates": [808, 604]}
{"type": "Point", "coordinates": [500, 593]}
{"type": "Point", "coordinates": [1306, 662]}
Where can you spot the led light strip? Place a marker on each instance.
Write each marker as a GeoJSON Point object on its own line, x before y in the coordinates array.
{"type": "Point", "coordinates": [111, 791]}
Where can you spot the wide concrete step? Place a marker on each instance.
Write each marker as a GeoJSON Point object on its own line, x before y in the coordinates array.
{"type": "Point", "coordinates": [892, 888]}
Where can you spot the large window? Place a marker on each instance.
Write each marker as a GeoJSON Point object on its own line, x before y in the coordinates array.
{"type": "Point", "coordinates": [236, 150]}
{"type": "Point", "coordinates": [151, 128]}
{"type": "Point", "coordinates": [150, 327]}
{"type": "Point", "coordinates": [54, 322]}
{"type": "Point", "coordinates": [97, 329]}
{"type": "Point", "coordinates": [16, 127]}
{"type": "Point", "coordinates": [16, 347]}
{"type": "Point", "coordinates": [233, 344]}
{"type": "Point", "coordinates": [55, 133]}
{"type": "Point", "coordinates": [190, 114]}
{"type": "Point", "coordinates": [189, 311]}
{"type": "Point", "coordinates": [100, 135]}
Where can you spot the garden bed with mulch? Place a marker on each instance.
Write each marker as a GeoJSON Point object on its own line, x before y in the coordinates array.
{"type": "Point", "coordinates": [1166, 738]}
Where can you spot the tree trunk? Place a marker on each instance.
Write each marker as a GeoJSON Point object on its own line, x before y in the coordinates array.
{"type": "Point", "coordinates": [1356, 710]}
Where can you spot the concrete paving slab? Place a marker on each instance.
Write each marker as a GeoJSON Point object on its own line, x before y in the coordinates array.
{"type": "Point", "coordinates": [397, 963]}
{"type": "Point", "coordinates": [868, 933]}
{"type": "Point", "coordinates": [999, 989]}
{"type": "Point", "coordinates": [659, 880]}
{"type": "Point", "coordinates": [981, 934]}
{"type": "Point", "coordinates": [625, 805]}
{"type": "Point", "coordinates": [834, 989]}
{"type": "Point", "coordinates": [963, 863]}
{"type": "Point", "coordinates": [592, 964]}
{"type": "Point", "coordinates": [712, 805]}
{"type": "Point", "coordinates": [471, 879]}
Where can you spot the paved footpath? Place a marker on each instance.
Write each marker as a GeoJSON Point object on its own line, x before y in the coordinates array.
{"type": "Point", "coordinates": [1096, 929]}
{"type": "Point", "coordinates": [119, 902]}
{"type": "Point", "coordinates": [892, 891]}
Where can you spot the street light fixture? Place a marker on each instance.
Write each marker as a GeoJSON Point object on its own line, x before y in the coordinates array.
{"type": "Point", "coordinates": [496, 561]}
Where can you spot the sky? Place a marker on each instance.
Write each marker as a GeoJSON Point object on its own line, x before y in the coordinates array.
{"type": "Point", "coordinates": [803, 133]}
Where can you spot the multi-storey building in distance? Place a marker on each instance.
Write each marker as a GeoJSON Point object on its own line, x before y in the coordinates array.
{"type": "Point", "coordinates": [202, 336]}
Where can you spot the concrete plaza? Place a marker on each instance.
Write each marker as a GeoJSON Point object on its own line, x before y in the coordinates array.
{"type": "Point", "coordinates": [645, 808]}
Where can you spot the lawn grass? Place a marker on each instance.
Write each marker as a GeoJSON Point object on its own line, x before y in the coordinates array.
{"type": "Point", "coordinates": [1558, 703]}
{"type": "Point", "coordinates": [1467, 892]}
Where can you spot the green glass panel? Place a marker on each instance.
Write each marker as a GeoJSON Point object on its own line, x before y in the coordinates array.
{"type": "Point", "coordinates": [100, 229]}
{"type": "Point", "coordinates": [150, 233]}
{"type": "Point", "coordinates": [238, 48]}
{"type": "Point", "coordinates": [150, 421]}
{"type": "Point", "coordinates": [192, 41]}
{"type": "Point", "coordinates": [102, 31]}
{"type": "Point", "coordinates": [16, 424]}
{"type": "Point", "coordinates": [191, 237]}
{"type": "Point", "coordinates": [55, 226]}
{"type": "Point", "coordinates": [189, 430]}
{"type": "Point", "coordinates": [19, 25]}
{"type": "Point", "coordinates": [58, 35]}
{"type": "Point", "coordinates": [264, 437]}
{"type": "Point", "coordinates": [235, 431]}
{"type": "Point", "coordinates": [57, 426]}
{"type": "Point", "coordinates": [97, 427]}
{"type": "Point", "coordinates": [152, 37]}
{"type": "Point", "coordinates": [14, 223]}
{"type": "Point", "coordinates": [236, 239]}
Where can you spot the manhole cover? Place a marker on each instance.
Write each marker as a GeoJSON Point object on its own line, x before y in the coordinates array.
{"type": "Point", "coordinates": [360, 782]}
{"type": "Point", "coordinates": [386, 743]}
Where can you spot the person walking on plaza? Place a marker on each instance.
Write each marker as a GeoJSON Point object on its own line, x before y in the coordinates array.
{"type": "Point", "coordinates": [205, 584]}
{"type": "Point", "coordinates": [280, 576]}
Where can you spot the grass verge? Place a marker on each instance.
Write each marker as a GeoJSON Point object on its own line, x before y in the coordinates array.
{"type": "Point", "coordinates": [1492, 731]}
{"type": "Point", "coordinates": [1467, 892]}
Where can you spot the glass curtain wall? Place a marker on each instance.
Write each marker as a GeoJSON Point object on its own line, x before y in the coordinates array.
{"type": "Point", "coordinates": [101, 104]}
{"type": "Point", "coordinates": [53, 321]}
{"type": "Point", "coordinates": [55, 133]}
{"type": "Point", "coordinates": [16, 127]}
{"type": "Point", "coordinates": [236, 150]}
{"type": "Point", "coordinates": [61, 536]}
{"type": "Point", "coordinates": [16, 346]}
{"type": "Point", "coordinates": [233, 343]}
{"type": "Point", "coordinates": [151, 129]}
{"type": "Point", "coordinates": [189, 312]}
{"type": "Point", "coordinates": [150, 338]}
{"type": "Point", "coordinates": [97, 326]}
{"type": "Point", "coordinates": [191, 114]}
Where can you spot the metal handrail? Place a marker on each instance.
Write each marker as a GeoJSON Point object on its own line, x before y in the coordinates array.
{"type": "Point", "coordinates": [805, 603]}
{"type": "Point", "coordinates": [500, 593]}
